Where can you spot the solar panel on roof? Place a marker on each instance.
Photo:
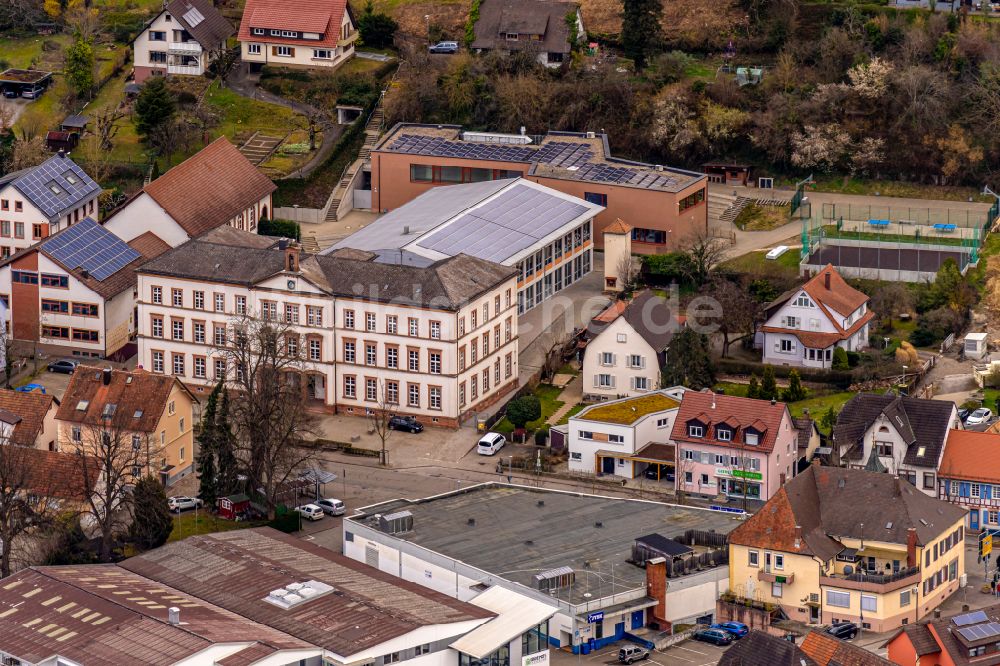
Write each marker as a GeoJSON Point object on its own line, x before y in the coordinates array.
{"type": "Point", "coordinates": [970, 618]}
{"type": "Point", "coordinates": [193, 17]}
{"type": "Point", "coordinates": [978, 632]}
{"type": "Point", "coordinates": [89, 246]}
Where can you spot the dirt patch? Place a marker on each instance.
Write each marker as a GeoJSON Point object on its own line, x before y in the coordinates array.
{"type": "Point", "coordinates": [761, 218]}
{"type": "Point", "coordinates": [692, 23]}
{"type": "Point", "coordinates": [449, 17]}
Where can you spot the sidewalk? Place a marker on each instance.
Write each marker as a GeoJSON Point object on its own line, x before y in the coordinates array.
{"type": "Point", "coordinates": [571, 396]}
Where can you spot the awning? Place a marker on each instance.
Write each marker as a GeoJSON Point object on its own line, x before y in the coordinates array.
{"type": "Point", "coordinates": [654, 452]}
{"type": "Point", "coordinates": [516, 614]}
{"type": "Point", "coordinates": [628, 606]}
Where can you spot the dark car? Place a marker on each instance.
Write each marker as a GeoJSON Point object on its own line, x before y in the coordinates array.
{"type": "Point", "coordinates": [407, 423]}
{"type": "Point", "coordinates": [65, 366]}
{"type": "Point", "coordinates": [737, 629]}
{"type": "Point", "coordinates": [963, 414]}
{"type": "Point", "coordinates": [444, 47]}
{"type": "Point", "coordinates": [10, 93]}
{"type": "Point", "coordinates": [845, 631]}
{"type": "Point", "coordinates": [714, 636]}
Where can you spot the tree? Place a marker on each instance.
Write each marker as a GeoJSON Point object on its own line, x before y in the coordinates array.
{"type": "Point", "coordinates": [377, 29]}
{"type": "Point", "coordinates": [704, 251]}
{"type": "Point", "coordinates": [950, 288]}
{"type": "Point", "coordinates": [79, 67]}
{"type": "Point", "coordinates": [151, 520]}
{"type": "Point", "coordinates": [738, 312]}
{"type": "Point", "coordinates": [524, 409]}
{"type": "Point", "coordinates": [27, 153]}
{"type": "Point", "coordinates": [106, 126]}
{"type": "Point", "coordinates": [688, 362]}
{"type": "Point", "coordinates": [208, 477]}
{"type": "Point", "coordinates": [154, 107]}
{"type": "Point", "coordinates": [25, 493]}
{"type": "Point", "coordinates": [768, 384]}
{"type": "Point", "coordinates": [795, 391]}
{"type": "Point", "coordinates": [753, 388]}
{"type": "Point", "coordinates": [828, 420]}
{"type": "Point", "coordinates": [225, 451]}
{"type": "Point", "coordinates": [270, 419]}
{"type": "Point", "coordinates": [890, 300]}
{"type": "Point", "coordinates": [628, 270]}
{"type": "Point", "coordinates": [641, 32]}
{"type": "Point", "coordinates": [381, 416]}
{"type": "Point", "coordinates": [840, 360]}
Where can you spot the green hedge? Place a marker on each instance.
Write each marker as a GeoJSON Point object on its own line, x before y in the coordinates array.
{"type": "Point", "coordinates": [728, 366]}
{"type": "Point", "coordinates": [287, 522]}
{"type": "Point", "coordinates": [280, 228]}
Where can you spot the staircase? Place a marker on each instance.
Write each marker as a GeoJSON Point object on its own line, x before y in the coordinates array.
{"type": "Point", "coordinates": [309, 244]}
{"type": "Point", "coordinates": [373, 128]}
{"type": "Point", "coordinates": [733, 211]}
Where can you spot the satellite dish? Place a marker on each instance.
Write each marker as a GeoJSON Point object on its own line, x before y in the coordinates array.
{"type": "Point", "coordinates": [848, 570]}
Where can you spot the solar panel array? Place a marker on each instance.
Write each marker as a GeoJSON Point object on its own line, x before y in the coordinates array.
{"type": "Point", "coordinates": [89, 246]}
{"type": "Point", "coordinates": [516, 219]}
{"type": "Point", "coordinates": [970, 618]}
{"type": "Point", "coordinates": [578, 158]}
{"type": "Point", "coordinates": [193, 17]}
{"type": "Point", "coordinates": [978, 632]}
{"type": "Point", "coordinates": [37, 185]}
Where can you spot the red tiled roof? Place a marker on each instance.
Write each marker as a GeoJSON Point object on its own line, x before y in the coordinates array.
{"type": "Point", "coordinates": [840, 297]}
{"type": "Point", "coordinates": [713, 409]}
{"type": "Point", "coordinates": [212, 186]}
{"type": "Point", "coordinates": [319, 16]}
{"type": "Point", "coordinates": [618, 227]}
{"type": "Point", "coordinates": [140, 398]}
{"type": "Point", "coordinates": [31, 408]}
{"type": "Point", "coordinates": [51, 474]}
{"type": "Point", "coordinates": [826, 650]}
{"type": "Point", "coordinates": [818, 340]}
{"type": "Point", "coordinates": [149, 245]}
{"type": "Point", "coordinates": [972, 456]}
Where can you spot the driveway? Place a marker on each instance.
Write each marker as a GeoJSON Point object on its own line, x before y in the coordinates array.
{"type": "Point", "coordinates": [687, 653]}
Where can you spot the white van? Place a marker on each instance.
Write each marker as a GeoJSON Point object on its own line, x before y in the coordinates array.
{"type": "Point", "coordinates": [310, 511]}
{"type": "Point", "coordinates": [490, 443]}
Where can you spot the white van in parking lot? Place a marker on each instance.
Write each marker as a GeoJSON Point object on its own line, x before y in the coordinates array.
{"type": "Point", "coordinates": [490, 443]}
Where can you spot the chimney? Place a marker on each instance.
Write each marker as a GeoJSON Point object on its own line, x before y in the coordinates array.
{"type": "Point", "coordinates": [62, 153]}
{"type": "Point", "coordinates": [106, 377]}
{"type": "Point", "coordinates": [937, 613]}
{"type": "Point", "coordinates": [174, 615]}
{"type": "Point", "coordinates": [656, 587]}
{"type": "Point", "coordinates": [798, 537]}
{"type": "Point", "coordinates": [292, 258]}
{"type": "Point", "coordinates": [774, 402]}
{"type": "Point", "coordinates": [911, 547]}
{"type": "Point", "coordinates": [965, 608]}
{"type": "Point", "coordinates": [84, 273]}
{"type": "Point", "coordinates": [826, 280]}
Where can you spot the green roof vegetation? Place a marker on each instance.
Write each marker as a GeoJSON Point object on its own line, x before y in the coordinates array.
{"type": "Point", "coordinates": [627, 412]}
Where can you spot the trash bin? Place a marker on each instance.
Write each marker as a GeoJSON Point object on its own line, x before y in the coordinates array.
{"type": "Point", "coordinates": [585, 648]}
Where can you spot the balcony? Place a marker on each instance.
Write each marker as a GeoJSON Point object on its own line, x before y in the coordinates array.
{"type": "Point", "coordinates": [775, 577]}
{"type": "Point", "coordinates": [191, 70]}
{"type": "Point", "coordinates": [873, 582]}
{"type": "Point", "coordinates": [184, 48]}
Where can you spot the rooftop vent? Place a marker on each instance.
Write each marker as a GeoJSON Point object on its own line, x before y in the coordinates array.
{"type": "Point", "coordinates": [554, 579]}
{"type": "Point", "coordinates": [471, 521]}
{"type": "Point", "coordinates": [294, 594]}
{"type": "Point", "coordinates": [174, 615]}
{"type": "Point", "coordinates": [494, 137]}
{"type": "Point", "coordinates": [396, 523]}
{"type": "Point", "coordinates": [541, 503]}
{"type": "Point", "coordinates": [591, 135]}
{"type": "Point", "coordinates": [82, 405]}
{"type": "Point", "coordinates": [599, 524]}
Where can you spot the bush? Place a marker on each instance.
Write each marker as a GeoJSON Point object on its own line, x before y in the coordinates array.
{"type": "Point", "coordinates": [286, 521]}
{"type": "Point", "coordinates": [279, 228]}
{"type": "Point", "coordinates": [839, 379]}
{"type": "Point", "coordinates": [664, 269]}
{"type": "Point", "coordinates": [840, 360]}
{"type": "Point", "coordinates": [523, 409]}
{"type": "Point", "coordinates": [853, 358]}
{"type": "Point", "coordinates": [377, 29]}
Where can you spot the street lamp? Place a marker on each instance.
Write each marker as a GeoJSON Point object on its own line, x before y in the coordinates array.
{"type": "Point", "coordinates": [427, 18]}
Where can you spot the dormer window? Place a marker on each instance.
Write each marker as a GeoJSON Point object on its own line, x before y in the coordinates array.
{"type": "Point", "coordinates": [751, 438]}
{"type": "Point", "coordinates": [803, 301]}
{"type": "Point", "coordinates": [258, 31]}
{"type": "Point", "coordinates": [724, 434]}
{"type": "Point", "coordinates": [695, 430]}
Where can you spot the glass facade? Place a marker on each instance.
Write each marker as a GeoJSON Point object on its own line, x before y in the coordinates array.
{"type": "Point", "coordinates": [499, 657]}
{"type": "Point", "coordinates": [535, 639]}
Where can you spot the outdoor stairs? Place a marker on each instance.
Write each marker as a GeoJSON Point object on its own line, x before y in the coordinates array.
{"type": "Point", "coordinates": [772, 202]}
{"type": "Point", "coordinates": [259, 147]}
{"type": "Point", "coordinates": [373, 128]}
{"type": "Point", "coordinates": [309, 244]}
{"type": "Point", "coordinates": [340, 191]}
{"type": "Point", "coordinates": [732, 212]}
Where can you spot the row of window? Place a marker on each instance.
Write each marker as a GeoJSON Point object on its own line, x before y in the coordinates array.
{"type": "Point", "coordinates": [691, 200]}
{"type": "Point", "coordinates": [474, 382]}
{"type": "Point", "coordinates": [18, 205]}
{"type": "Point", "coordinates": [67, 307]}
{"type": "Point", "coordinates": [67, 333]}
{"type": "Point", "coordinates": [977, 490]}
{"type": "Point", "coordinates": [46, 279]}
{"type": "Point", "coordinates": [657, 236]}
{"type": "Point", "coordinates": [392, 392]}
{"type": "Point", "coordinates": [939, 548]}
{"type": "Point", "coordinates": [723, 433]}
{"type": "Point", "coordinates": [553, 281]}
{"type": "Point", "coordinates": [289, 312]}
{"type": "Point", "coordinates": [392, 357]}
{"type": "Point", "coordinates": [38, 231]}
{"type": "Point", "coordinates": [706, 458]}
{"type": "Point", "coordinates": [610, 359]}
{"type": "Point", "coordinates": [178, 365]}
{"type": "Point", "coordinates": [553, 251]}
{"type": "Point", "coordinates": [220, 337]}
{"type": "Point", "coordinates": [292, 34]}
{"type": "Point", "coordinates": [945, 574]}
{"type": "Point", "coordinates": [608, 381]}
{"type": "Point", "coordinates": [426, 173]}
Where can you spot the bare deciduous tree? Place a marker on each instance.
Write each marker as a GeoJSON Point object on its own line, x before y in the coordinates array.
{"type": "Point", "coordinates": [628, 271]}
{"type": "Point", "coordinates": [739, 312]}
{"type": "Point", "coordinates": [380, 417]}
{"type": "Point", "coordinates": [705, 251]}
{"type": "Point", "coordinates": [106, 126]}
{"type": "Point", "coordinates": [25, 494]}
{"type": "Point", "coordinates": [269, 415]}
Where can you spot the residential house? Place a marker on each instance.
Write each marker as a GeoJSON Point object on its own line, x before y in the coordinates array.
{"type": "Point", "coordinates": [627, 347]}
{"type": "Point", "coordinates": [627, 438]}
{"type": "Point", "coordinates": [969, 476]}
{"type": "Point", "coordinates": [806, 324]}
{"type": "Point", "coordinates": [154, 412]}
{"type": "Point", "coordinates": [184, 38]}
{"type": "Point", "coordinates": [306, 33]}
{"type": "Point", "coordinates": [547, 29]}
{"type": "Point", "coordinates": [810, 439]}
{"type": "Point", "coordinates": [37, 202]}
{"type": "Point", "coordinates": [663, 205]}
{"type": "Point", "coordinates": [818, 648]}
{"type": "Point", "coordinates": [732, 446]}
{"type": "Point", "coordinates": [28, 419]}
{"type": "Point", "coordinates": [963, 638]}
{"type": "Point", "coordinates": [74, 293]}
{"type": "Point", "coordinates": [438, 342]}
{"type": "Point", "coordinates": [847, 545]}
{"type": "Point", "coordinates": [908, 435]}
{"type": "Point", "coordinates": [544, 233]}
{"type": "Point", "coordinates": [217, 186]}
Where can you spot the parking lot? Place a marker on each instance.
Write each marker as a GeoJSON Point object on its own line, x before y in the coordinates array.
{"type": "Point", "coordinates": [687, 653]}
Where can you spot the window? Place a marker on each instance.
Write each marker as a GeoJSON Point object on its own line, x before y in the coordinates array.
{"type": "Point", "coordinates": [724, 434]}
{"type": "Point", "coordinates": [253, 49]}
{"type": "Point", "coordinates": [156, 295]}
{"type": "Point", "coordinates": [220, 368]}
{"type": "Point", "coordinates": [869, 602]}
{"type": "Point", "coordinates": [177, 298]}
{"type": "Point", "coordinates": [350, 386]}
{"type": "Point", "coordinates": [607, 358]}
{"type": "Point", "coordinates": [199, 367]}
{"type": "Point", "coordinates": [49, 305]}
{"type": "Point", "coordinates": [776, 590]}
{"type": "Point", "coordinates": [414, 327]}
{"type": "Point", "coordinates": [199, 300]}
{"type": "Point", "coordinates": [391, 324]}
{"type": "Point", "coordinates": [904, 598]}
{"type": "Point", "coordinates": [392, 392]}
{"type": "Point", "coordinates": [258, 31]}
{"type": "Point", "coordinates": [315, 350]}
{"type": "Point", "coordinates": [348, 318]}
{"type": "Point", "coordinates": [55, 332]}
{"type": "Point", "coordinates": [314, 315]}
{"type": "Point", "coordinates": [413, 397]}
{"type": "Point", "coordinates": [506, 332]}
{"type": "Point", "coordinates": [435, 362]}
{"type": "Point", "coordinates": [434, 397]}
{"type": "Point", "coordinates": [84, 335]}
{"type": "Point", "coordinates": [779, 561]}
{"type": "Point", "coordinates": [884, 448]}
{"type": "Point", "coordinates": [322, 54]}
{"type": "Point", "coordinates": [636, 361]}
{"type": "Point", "coordinates": [596, 198]}
{"type": "Point", "coordinates": [220, 303]}
{"type": "Point", "coordinates": [753, 558]}
{"type": "Point", "coordinates": [284, 51]}
{"type": "Point", "coordinates": [838, 599]}
{"type": "Point", "coordinates": [975, 490]}
{"type": "Point", "coordinates": [157, 36]}
{"type": "Point", "coordinates": [786, 346]}
{"type": "Point", "coordinates": [435, 330]}
{"type": "Point", "coordinates": [180, 426]}
{"type": "Point", "coordinates": [928, 480]}
{"type": "Point", "coordinates": [220, 335]}
{"type": "Point", "coordinates": [369, 321]}
{"type": "Point", "coordinates": [241, 305]}
{"type": "Point", "coordinates": [199, 332]}
{"type": "Point", "coordinates": [291, 313]}
{"type": "Point", "coordinates": [371, 389]}
{"type": "Point", "coordinates": [178, 364]}
{"type": "Point", "coordinates": [392, 357]}
{"type": "Point", "coordinates": [158, 361]}
{"type": "Point", "coordinates": [696, 431]}
{"type": "Point", "coordinates": [461, 394]}
{"type": "Point", "coordinates": [177, 329]}
{"type": "Point", "coordinates": [85, 309]}
{"type": "Point", "coordinates": [605, 381]}
{"type": "Point", "coordinates": [269, 310]}
{"type": "Point", "coordinates": [391, 658]}
{"type": "Point", "coordinates": [292, 346]}
{"type": "Point", "coordinates": [641, 383]}
{"type": "Point", "coordinates": [370, 352]}
{"type": "Point", "coordinates": [413, 360]}
{"type": "Point", "coordinates": [751, 438]}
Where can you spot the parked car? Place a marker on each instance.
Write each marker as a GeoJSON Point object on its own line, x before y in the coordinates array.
{"type": "Point", "coordinates": [32, 93]}
{"type": "Point", "coordinates": [714, 636]}
{"type": "Point", "coordinates": [182, 503]}
{"type": "Point", "coordinates": [332, 506]}
{"type": "Point", "coordinates": [490, 443]}
{"type": "Point", "coordinates": [979, 417]}
{"type": "Point", "coordinates": [737, 629]}
{"type": "Point", "coordinates": [65, 366]}
{"type": "Point", "coordinates": [444, 47]}
{"type": "Point", "coordinates": [627, 655]}
{"type": "Point", "coordinates": [31, 388]}
{"type": "Point", "coordinates": [310, 511]}
{"type": "Point", "coordinates": [845, 631]}
{"type": "Point", "coordinates": [963, 414]}
{"type": "Point", "coordinates": [407, 423]}
{"type": "Point", "coordinates": [10, 93]}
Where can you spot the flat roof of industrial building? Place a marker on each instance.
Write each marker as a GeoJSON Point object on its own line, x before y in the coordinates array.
{"type": "Point", "coordinates": [579, 156]}
{"type": "Point", "coordinates": [519, 532]}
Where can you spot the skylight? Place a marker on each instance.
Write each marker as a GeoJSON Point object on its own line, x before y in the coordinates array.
{"type": "Point", "coordinates": [82, 405]}
{"type": "Point", "coordinates": [295, 594]}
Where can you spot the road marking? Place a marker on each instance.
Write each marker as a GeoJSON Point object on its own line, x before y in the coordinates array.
{"type": "Point", "coordinates": [308, 537]}
{"type": "Point", "coordinates": [681, 647]}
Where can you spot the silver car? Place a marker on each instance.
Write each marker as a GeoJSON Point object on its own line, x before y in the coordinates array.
{"type": "Point", "coordinates": [332, 506]}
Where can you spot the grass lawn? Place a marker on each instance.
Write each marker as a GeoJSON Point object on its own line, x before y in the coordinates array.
{"type": "Point", "coordinates": [241, 114]}
{"type": "Point", "coordinates": [787, 265]}
{"type": "Point", "coordinates": [573, 411]}
{"type": "Point", "coordinates": [23, 52]}
{"type": "Point", "coordinates": [831, 231]}
{"type": "Point", "coordinates": [817, 402]}
{"type": "Point", "coordinates": [755, 217]}
{"type": "Point", "coordinates": [190, 524]}
{"type": "Point", "coordinates": [548, 396]}
{"type": "Point", "coordinates": [891, 188]}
